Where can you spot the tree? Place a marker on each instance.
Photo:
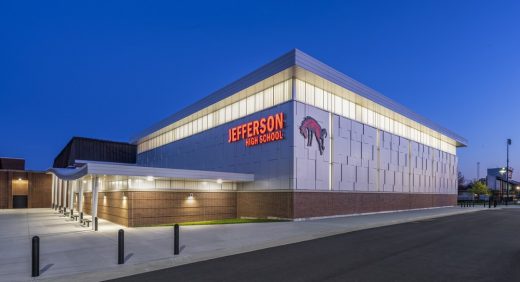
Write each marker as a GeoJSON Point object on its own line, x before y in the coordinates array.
{"type": "Point", "coordinates": [461, 180]}
{"type": "Point", "coordinates": [479, 188]}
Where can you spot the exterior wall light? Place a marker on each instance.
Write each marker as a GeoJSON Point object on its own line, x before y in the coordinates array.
{"type": "Point", "coordinates": [149, 178]}
{"type": "Point", "coordinates": [19, 179]}
{"type": "Point", "coordinates": [219, 181]}
{"type": "Point", "coordinates": [190, 196]}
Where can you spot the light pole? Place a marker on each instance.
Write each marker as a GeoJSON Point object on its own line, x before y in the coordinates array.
{"type": "Point", "coordinates": [507, 171]}
{"type": "Point", "coordinates": [502, 171]}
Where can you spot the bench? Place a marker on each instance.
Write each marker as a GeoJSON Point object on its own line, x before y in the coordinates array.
{"type": "Point", "coordinates": [86, 222]}
{"type": "Point", "coordinates": [66, 213]}
{"type": "Point", "coordinates": [75, 217]}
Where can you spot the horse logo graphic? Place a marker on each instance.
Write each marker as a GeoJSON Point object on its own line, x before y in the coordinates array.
{"type": "Point", "coordinates": [310, 127]}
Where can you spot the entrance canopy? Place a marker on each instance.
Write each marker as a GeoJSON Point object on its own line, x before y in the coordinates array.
{"type": "Point", "coordinates": [85, 168]}
{"type": "Point", "coordinates": [89, 179]}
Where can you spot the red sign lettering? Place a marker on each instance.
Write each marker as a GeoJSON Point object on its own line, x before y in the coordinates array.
{"type": "Point", "coordinates": [260, 131]}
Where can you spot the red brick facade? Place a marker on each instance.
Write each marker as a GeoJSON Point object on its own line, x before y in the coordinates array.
{"type": "Point", "coordinates": [164, 207]}
{"type": "Point", "coordinates": [39, 188]}
{"type": "Point", "coordinates": [295, 205]}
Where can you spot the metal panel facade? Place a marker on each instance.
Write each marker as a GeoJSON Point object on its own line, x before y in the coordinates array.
{"type": "Point", "coordinates": [365, 159]}
{"type": "Point", "coordinates": [356, 157]}
{"type": "Point", "coordinates": [271, 163]}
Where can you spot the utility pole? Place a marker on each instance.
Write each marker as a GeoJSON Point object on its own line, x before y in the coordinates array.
{"type": "Point", "coordinates": [478, 171]}
{"type": "Point", "coordinates": [507, 171]}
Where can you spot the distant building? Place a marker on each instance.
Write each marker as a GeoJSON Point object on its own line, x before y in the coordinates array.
{"type": "Point", "coordinates": [496, 182]}
{"type": "Point", "coordinates": [81, 148]}
{"type": "Point", "coordinates": [20, 188]}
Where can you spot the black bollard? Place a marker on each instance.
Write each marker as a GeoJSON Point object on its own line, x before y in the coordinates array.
{"type": "Point", "coordinates": [81, 217]}
{"type": "Point", "coordinates": [71, 213]}
{"type": "Point", "coordinates": [121, 247]}
{"type": "Point", "coordinates": [95, 224]}
{"type": "Point", "coordinates": [35, 256]}
{"type": "Point", "coordinates": [495, 204]}
{"type": "Point", "coordinates": [176, 239]}
{"type": "Point", "coordinates": [489, 203]}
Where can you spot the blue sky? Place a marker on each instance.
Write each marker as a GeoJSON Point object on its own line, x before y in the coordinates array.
{"type": "Point", "coordinates": [108, 69]}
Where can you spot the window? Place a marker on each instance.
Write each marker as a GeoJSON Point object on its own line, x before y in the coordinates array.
{"type": "Point", "coordinates": [314, 96]}
{"type": "Point", "coordinates": [269, 97]}
{"type": "Point", "coordinates": [319, 98]}
{"type": "Point", "coordinates": [250, 105]}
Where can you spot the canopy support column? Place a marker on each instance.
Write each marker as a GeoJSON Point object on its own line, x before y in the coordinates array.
{"type": "Point", "coordinates": [66, 194]}
{"type": "Point", "coordinates": [71, 198]}
{"type": "Point", "coordinates": [60, 193]}
{"type": "Point", "coordinates": [53, 193]}
{"type": "Point", "coordinates": [95, 187]}
{"type": "Point", "coordinates": [80, 195]}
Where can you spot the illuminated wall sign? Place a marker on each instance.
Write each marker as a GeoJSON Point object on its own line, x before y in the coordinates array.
{"type": "Point", "coordinates": [259, 131]}
{"type": "Point", "coordinates": [309, 128]}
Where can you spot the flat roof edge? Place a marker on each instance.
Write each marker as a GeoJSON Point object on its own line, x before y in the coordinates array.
{"type": "Point", "coordinates": [277, 65]}
{"type": "Point", "coordinates": [298, 58]}
{"type": "Point", "coordinates": [325, 71]}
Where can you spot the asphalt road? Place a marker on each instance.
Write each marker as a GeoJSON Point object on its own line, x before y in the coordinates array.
{"type": "Point", "coordinates": [481, 246]}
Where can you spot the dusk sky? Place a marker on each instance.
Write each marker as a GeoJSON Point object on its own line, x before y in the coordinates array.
{"type": "Point", "coordinates": [109, 69]}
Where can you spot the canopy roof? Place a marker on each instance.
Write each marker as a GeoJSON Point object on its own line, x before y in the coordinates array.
{"type": "Point", "coordinates": [103, 168]}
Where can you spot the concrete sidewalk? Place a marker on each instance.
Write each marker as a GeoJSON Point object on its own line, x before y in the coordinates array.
{"type": "Point", "coordinates": [71, 252]}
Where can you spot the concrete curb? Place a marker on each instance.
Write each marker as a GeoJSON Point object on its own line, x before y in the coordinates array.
{"type": "Point", "coordinates": [127, 270]}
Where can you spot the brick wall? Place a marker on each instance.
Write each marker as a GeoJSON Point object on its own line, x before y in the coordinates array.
{"type": "Point", "coordinates": [265, 204]}
{"type": "Point", "coordinates": [40, 190]}
{"type": "Point", "coordinates": [4, 190]}
{"type": "Point", "coordinates": [162, 207]}
{"type": "Point", "coordinates": [113, 207]}
{"type": "Point", "coordinates": [315, 204]}
{"type": "Point", "coordinates": [87, 202]}
{"type": "Point", "coordinates": [152, 208]}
